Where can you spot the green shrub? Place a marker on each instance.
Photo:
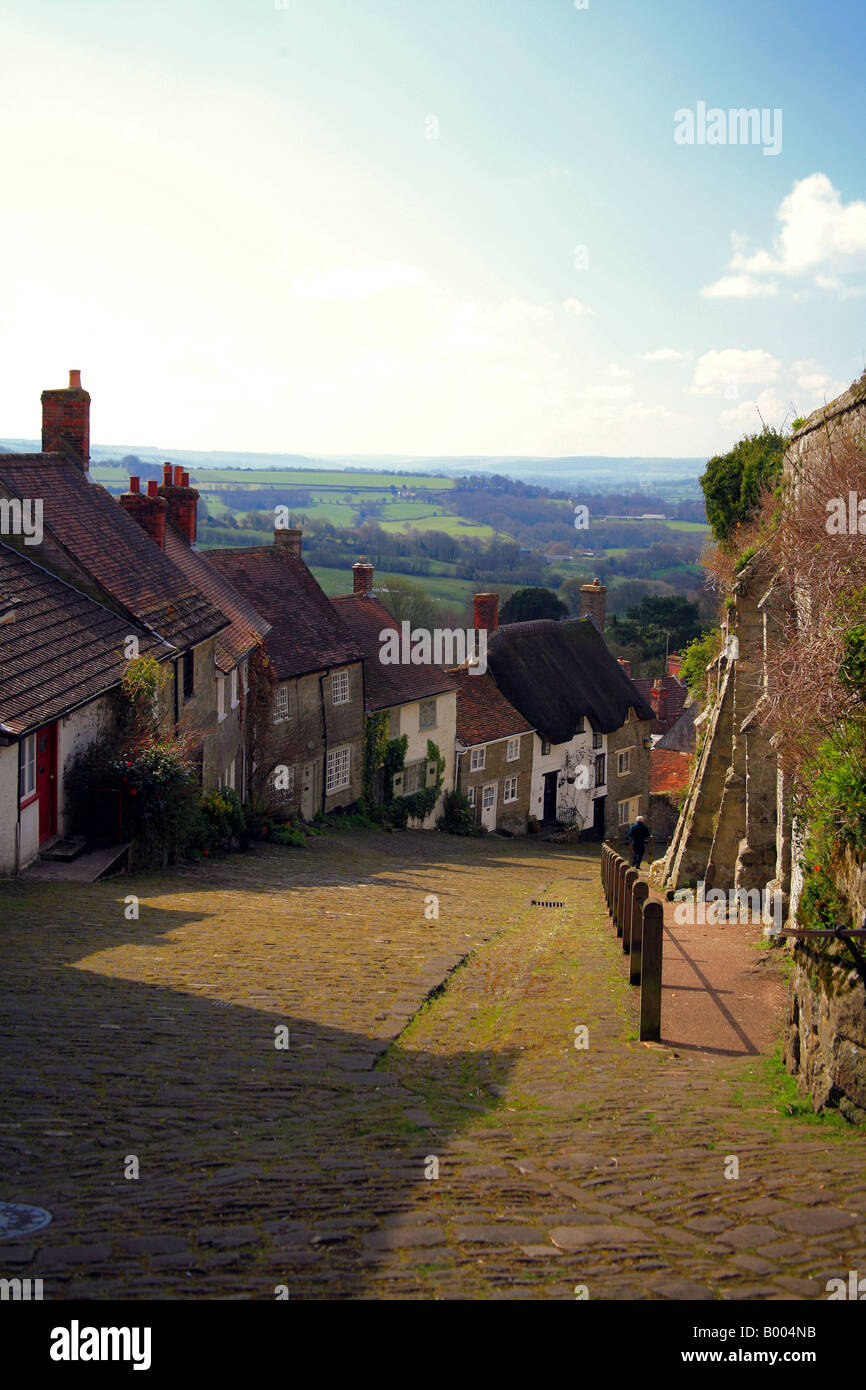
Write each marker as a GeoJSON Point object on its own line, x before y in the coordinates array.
{"type": "Point", "coordinates": [732, 482]}
{"type": "Point", "coordinates": [458, 817]}
{"type": "Point", "coordinates": [222, 818]}
{"type": "Point", "coordinates": [696, 657]}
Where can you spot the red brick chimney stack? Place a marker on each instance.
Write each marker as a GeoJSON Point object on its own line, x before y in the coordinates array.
{"type": "Point", "coordinates": [626, 665]}
{"type": "Point", "coordinates": [592, 602]}
{"type": "Point", "coordinates": [362, 576]}
{"type": "Point", "coordinates": [674, 664]}
{"type": "Point", "coordinates": [148, 509]}
{"type": "Point", "coordinates": [66, 421]}
{"type": "Point", "coordinates": [182, 500]}
{"type": "Point", "coordinates": [289, 538]}
{"type": "Point", "coordinates": [486, 611]}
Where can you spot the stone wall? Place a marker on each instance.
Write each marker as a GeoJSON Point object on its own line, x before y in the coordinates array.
{"type": "Point", "coordinates": [736, 831]}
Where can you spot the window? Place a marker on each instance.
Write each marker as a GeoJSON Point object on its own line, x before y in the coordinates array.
{"type": "Point", "coordinates": [597, 739]}
{"type": "Point", "coordinates": [580, 727]}
{"type": "Point", "coordinates": [221, 697]}
{"type": "Point", "coordinates": [188, 675]}
{"type": "Point", "coordinates": [477, 759]}
{"type": "Point", "coordinates": [27, 769]}
{"type": "Point", "coordinates": [599, 769]}
{"type": "Point", "coordinates": [394, 723]}
{"type": "Point", "coordinates": [545, 748]}
{"type": "Point", "coordinates": [623, 761]}
{"type": "Point", "coordinates": [488, 797]}
{"type": "Point", "coordinates": [245, 676]}
{"type": "Point", "coordinates": [627, 811]}
{"type": "Point", "coordinates": [235, 697]}
{"type": "Point", "coordinates": [230, 775]}
{"type": "Point", "coordinates": [470, 797]}
{"type": "Point", "coordinates": [337, 771]}
{"type": "Point", "coordinates": [512, 751]}
{"type": "Point", "coordinates": [340, 688]}
{"type": "Point", "coordinates": [414, 775]}
{"type": "Point", "coordinates": [281, 704]}
{"type": "Point", "coordinates": [510, 789]}
{"type": "Point", "coordinates": [427, 714]}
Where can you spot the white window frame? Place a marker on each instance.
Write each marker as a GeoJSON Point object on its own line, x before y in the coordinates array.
{"type": "Point", "coordinates": [512, 750]}
{"type": "Point", "coordinates": [340, 688]}
{"type": "Point", "coordinates": [510, 789]}
{"type": "Point", "coordinates": [429, 705]}
{"type": "Point", "coordinates": [487, 803]}
{"type": "Point", "coordinates": [234, 695]}
{"type": "Point", "coordinates": [230, 775]}
{"type": "Point", "coordinates": [477, 759]}
{"type": "Point", "coordinates": [27, 770]}
{"type": "Point", "coordinates": [632, 810]}
{"type": "Point", "coordinates": [281, 704]}
{"type": "Point", "coordinates": [338, 764]}
{"type": "Point", "coordinates": [394, 722]}
{"type": "Point", "coordinates": [470, 796]}
{"type": "Point", "coordinates": [221, 697]}
{"type": "Point", "coordinates": [622, 770]}
{"type": "Point", "coordinates": [545, 748]}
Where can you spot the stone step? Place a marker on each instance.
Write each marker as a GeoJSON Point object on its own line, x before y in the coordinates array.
{"type": "Point", "coordinates": [63, 850]}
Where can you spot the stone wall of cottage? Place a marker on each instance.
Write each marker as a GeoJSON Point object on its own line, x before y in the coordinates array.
{"type": "Point", "coordinates": [510, 815]}
{"type": "Point", "coordinates": [315, 726]}
{"type": "Point", "coordinates": [632, 784]}
{"type": "Point", "coordinates": [9, 757]}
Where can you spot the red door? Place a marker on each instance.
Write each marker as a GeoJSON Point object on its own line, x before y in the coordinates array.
{"type": "Point", "coordinates": [46, 781]}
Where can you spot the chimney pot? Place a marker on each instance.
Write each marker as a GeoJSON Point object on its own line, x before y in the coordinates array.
{"type": "Point", "coordinates": [166, 474]}
{"type": "Point", "coordinates": [134, 484]}
{"type": "Point", "coordinates": [74, 379]}
{"type": "Point", "coordinates": [152, 487]}
{"type": "Point", "coordinates": [178, 475]}
{"type": "Point", "coordinates": [592, 603]}
{"type": "Point", "coordinates": [184, 480]}
{"type": "Point", "coordinates": [362, 576]}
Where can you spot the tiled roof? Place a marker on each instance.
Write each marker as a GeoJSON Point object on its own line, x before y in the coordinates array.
{"type": "Point", "coordinates": [113, 550]}
{"type": "Point", "coordinates": [669, 771]}
{"type": "Point", "coordinates": [307, 633]}
{"type": "Point", "coordinates": [385, 686]}
{"type": "Point", "coordinates": [247, 628]}
{"type": "Point", "coordinates": [62, 648]}
{"type": "Point", "coordinates": [483, 713]}
{"type": "Point", "coordinates": [557, 672]}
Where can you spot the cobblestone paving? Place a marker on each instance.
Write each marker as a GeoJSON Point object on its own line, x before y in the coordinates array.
{"type": "Point", "coordinates": [305, 1167]}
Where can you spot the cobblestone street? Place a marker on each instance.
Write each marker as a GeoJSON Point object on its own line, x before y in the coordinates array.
{"type": "Point", "coordinates": [413, 1041]}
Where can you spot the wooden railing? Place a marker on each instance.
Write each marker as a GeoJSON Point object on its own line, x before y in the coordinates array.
{"type": "Point", "coordinates": [640, 925]}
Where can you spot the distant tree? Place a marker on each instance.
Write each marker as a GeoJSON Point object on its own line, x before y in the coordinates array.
{"type": "Point", "coordinates": [696, 657]}
{"type": "Point", "coordinates": [659, 622]}
{"type": "Point", "coordinates": [407, 603]}
{"type": "Point", "coordinates": [526, 604]}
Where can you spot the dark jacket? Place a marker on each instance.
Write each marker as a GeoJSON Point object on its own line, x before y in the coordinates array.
{"type": "Point", "coordinates": [639, 834]}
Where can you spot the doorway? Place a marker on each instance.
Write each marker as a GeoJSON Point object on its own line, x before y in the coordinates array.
{"type": "Point", "coordinates": [488, 806]}
{"type": "Point", "coordinates": [46, 781]}
{"type": "Point", "coordinates": [549, 805]}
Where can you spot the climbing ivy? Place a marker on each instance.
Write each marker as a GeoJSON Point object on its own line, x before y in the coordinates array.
{"type": "Point", "coordinates": [375, 747]}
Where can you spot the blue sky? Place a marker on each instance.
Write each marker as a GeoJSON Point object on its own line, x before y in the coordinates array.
{"type": "Point", "coordinates": [435, 228]}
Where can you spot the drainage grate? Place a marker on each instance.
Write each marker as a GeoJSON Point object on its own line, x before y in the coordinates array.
{"type": "Point", "coordinates": [17, 1220]}
{"type": "Point", "coordinates": [537, 902]}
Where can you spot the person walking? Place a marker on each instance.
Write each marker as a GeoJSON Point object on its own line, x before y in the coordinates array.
{"type": "Point", "coordinates": [638, 834]}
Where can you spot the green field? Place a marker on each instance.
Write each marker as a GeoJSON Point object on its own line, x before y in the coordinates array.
{"type": "Point", "coordinates": [453, 592]}
{"type": "Point", "coordinates": [314, 479]}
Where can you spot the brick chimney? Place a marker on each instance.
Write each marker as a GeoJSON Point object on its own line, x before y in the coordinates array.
{"type": "Point", "coordinates": [626, 665]}
{"type": "Point", "coordinates": [486, 611]}
{"type": "Point", "coordinates": [66, 421]}
{"type": "Point", "coordinates": [289, 538]}
{"type": "Point", "coordinates": [148, 509]}
{"type": "Point", "coordinates": [592, 603]}
{"type": "Point", "coordinates": [659, 699]}
{"type": "Point", "coordinates": [674, 664]}
{"type": "Point", "coordinates": [181, 498]}
{"type": "Point", "coordinates": [362, 576]}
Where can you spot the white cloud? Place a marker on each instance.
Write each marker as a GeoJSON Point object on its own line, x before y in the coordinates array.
{"type": "Point", "coordinates": [614, 369]}
{"type": "Point", "coordinates": [726, 369]}
{"type": "Point", "coordinates": [662, 355]}
{"type": "Point", "coordinates": [746, 415]}
{"type": "Point", "coordinates": [819, 234]}
{"type": "Point", "coordinates": [739, 287]}
{"type": "Point", "coordinates": [344, 282]}
{"type": "Point", "coordinates": [606, 391]}
{"type": "Point", "coordinates": [574, 306]}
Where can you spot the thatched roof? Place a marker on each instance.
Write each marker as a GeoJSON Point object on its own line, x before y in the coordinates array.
{"type": "Point", "coordinates": [554, 672]}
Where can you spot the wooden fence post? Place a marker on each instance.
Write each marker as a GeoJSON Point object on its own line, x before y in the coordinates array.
{"type": "Point", "coordinates": [651, 973]}
{"type": "Point", "coordinates": [630, 877]}
{"type": "Point", "coordinates": [605, 864]}
{"type": "Point", "coordinates": [620, 875]}
{"type": "Point", "coordinates": [639, 895]}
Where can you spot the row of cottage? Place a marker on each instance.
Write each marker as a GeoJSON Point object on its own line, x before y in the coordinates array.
{"type": "Point", "coordinates": [552, 730]}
